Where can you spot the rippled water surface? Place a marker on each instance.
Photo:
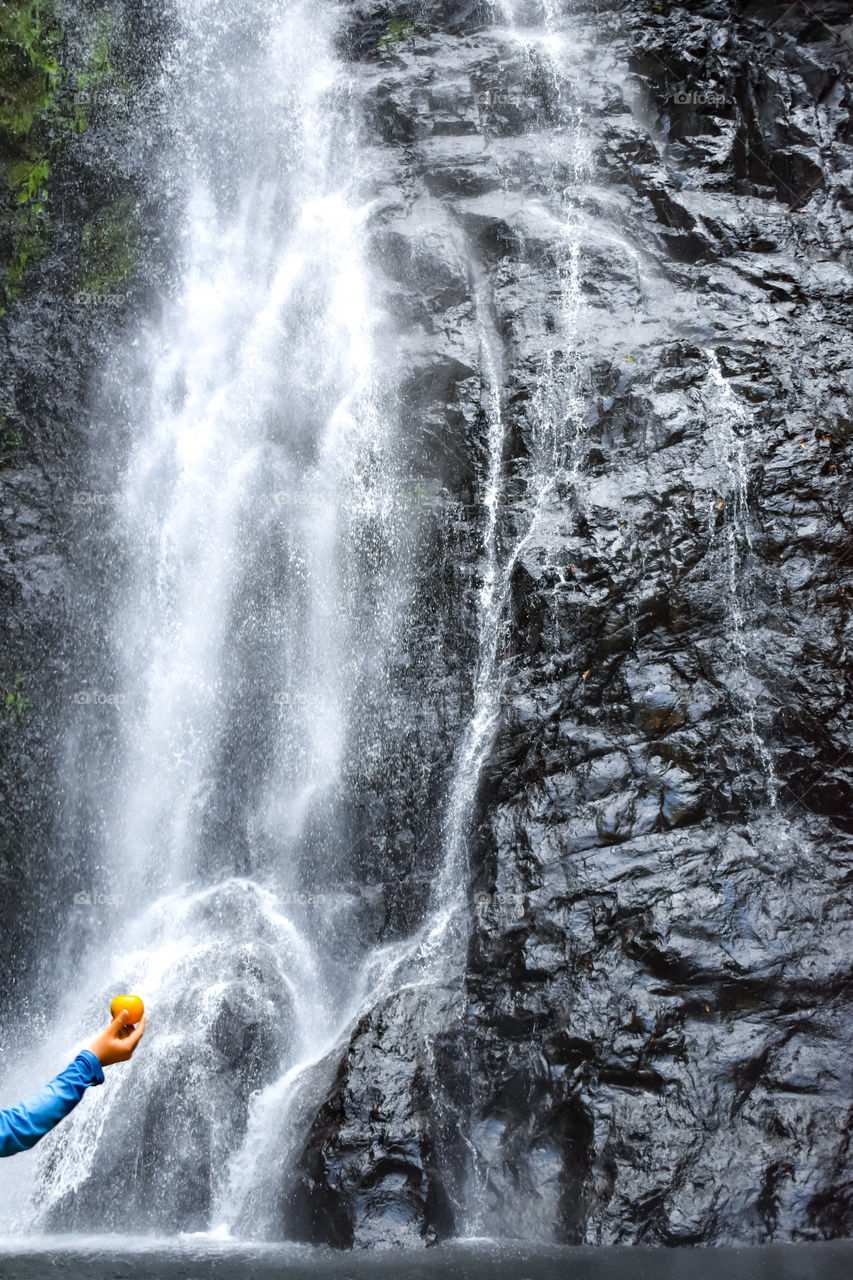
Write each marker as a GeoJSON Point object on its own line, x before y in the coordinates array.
{"type": "Point", "coordinates": [96, 1257]}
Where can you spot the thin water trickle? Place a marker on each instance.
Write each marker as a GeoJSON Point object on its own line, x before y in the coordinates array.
{"type": "Point", "coordinates": [731, 429]}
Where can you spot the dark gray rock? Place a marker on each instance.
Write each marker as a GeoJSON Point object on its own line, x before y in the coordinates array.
{"type": "Point", "coordinates": [656, 1027]}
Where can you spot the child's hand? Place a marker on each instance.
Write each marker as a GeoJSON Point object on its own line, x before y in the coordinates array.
{"type": "Point", "coordinates": [118, 1041]}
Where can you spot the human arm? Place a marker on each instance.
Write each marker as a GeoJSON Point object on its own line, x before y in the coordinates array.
{"type": "Point", "coordinates": [22, 1126]}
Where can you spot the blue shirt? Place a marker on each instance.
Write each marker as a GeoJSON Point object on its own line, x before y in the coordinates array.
{"type": "Point", "coordinates": [21, 1127]}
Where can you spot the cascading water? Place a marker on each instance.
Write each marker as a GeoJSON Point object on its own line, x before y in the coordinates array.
{"type": "Point", "coordinates": [241, 628]}
{"type": "Point", "coordinates": [261, 573]}
{"type": "Point", "coordinates": [547, 48]}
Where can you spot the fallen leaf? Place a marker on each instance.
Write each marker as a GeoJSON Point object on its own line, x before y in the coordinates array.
{"type": "Point", "coordinates": [802, 444]}
{"type": "Point", "coordinates": [586, 673]}
{"type": "Point", "coordinates": [719, 504]}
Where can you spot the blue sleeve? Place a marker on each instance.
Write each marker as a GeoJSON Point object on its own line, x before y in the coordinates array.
{"type": "Point", "coordinates": [22, 1126]}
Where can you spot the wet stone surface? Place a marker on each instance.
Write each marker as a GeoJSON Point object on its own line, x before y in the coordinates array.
{"type": "Point", "coordinates": [656, 1030]}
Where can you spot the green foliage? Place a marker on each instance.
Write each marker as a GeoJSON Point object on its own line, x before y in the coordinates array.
{"type": "Point", "coordinates": [37, 118]}
{"type": "Point", "coordinates": [29, 63]}
{"type": "Point", "coordinates": [397, 31]}
{"type": "Point", "coordinates": [10, 442]}
{"type": "Point", "coordinates": [15, 702]}
{"type": "Point", "coordinates": [101, 61]}
{"type": "Point", "coordinates": [27, 181]}
{"type": "Point", "coordinates": [28, 178]}
{"type": "Point", "coordinates": [101, 77]}
{"type": "Point", "coordinates": [109, 245]}
{"type": "Point", "coordinates": [31, 76]}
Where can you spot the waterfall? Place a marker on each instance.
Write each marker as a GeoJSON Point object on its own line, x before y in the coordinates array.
{"type": "Point", "coordinates": [261, 571]}
{"type": "Point", "coordinates": [260, 578]}
{"type": "Point", "coordinates": [427, 614]}
{"type": "Point", "coordinates": [259, 575]}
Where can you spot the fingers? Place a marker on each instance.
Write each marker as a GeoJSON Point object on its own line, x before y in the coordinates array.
{"type": "Point", "coordinates": [118, 1021]}
{"type": "Point", "coordinates": [118, 1041]}
{"type": "Point", "coordinates": [136, 1035]}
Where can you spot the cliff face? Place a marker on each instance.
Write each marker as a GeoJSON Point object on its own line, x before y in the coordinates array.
{"type": "Point", "coordinates": [79, 252]}
{"type": "Point", "coordinates": [653, 1042]}
{"type": "Point", "coordinates": [613, 247]}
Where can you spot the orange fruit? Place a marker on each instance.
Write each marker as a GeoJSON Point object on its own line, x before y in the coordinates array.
{"type": "Point", "coordinates": [133, 1004]}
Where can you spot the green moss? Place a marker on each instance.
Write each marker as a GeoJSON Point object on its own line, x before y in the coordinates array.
{"type": "Point", "coordinates": [398, 30]}
{"type": "Point", "coordinates": [101, 60]}
{"type": "Point", "coordinates": [109, 244]}
{"type": "Point", "coordinates": [31, 76]}
{"type": "Point", "coordinates": [38, 118]}
{"type": "Point", "coordinates": [101, 80]}
{"type": "Point", "coordinates": [28, 178]}
{"type": "Point", "coordinates": [29, 63]}
{"type": "Point", "coordinates": [15, 702]}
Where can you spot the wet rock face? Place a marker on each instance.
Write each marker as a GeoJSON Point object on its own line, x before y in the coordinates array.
{"type": "Point", "coordinates": [55, 339]}
{"type": "Point", "coordinates": [367, 1175]}
{"type": "Point", "coordinates": [653, 234]}
{"type": "Point", "coordinates": [158, 1145]}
